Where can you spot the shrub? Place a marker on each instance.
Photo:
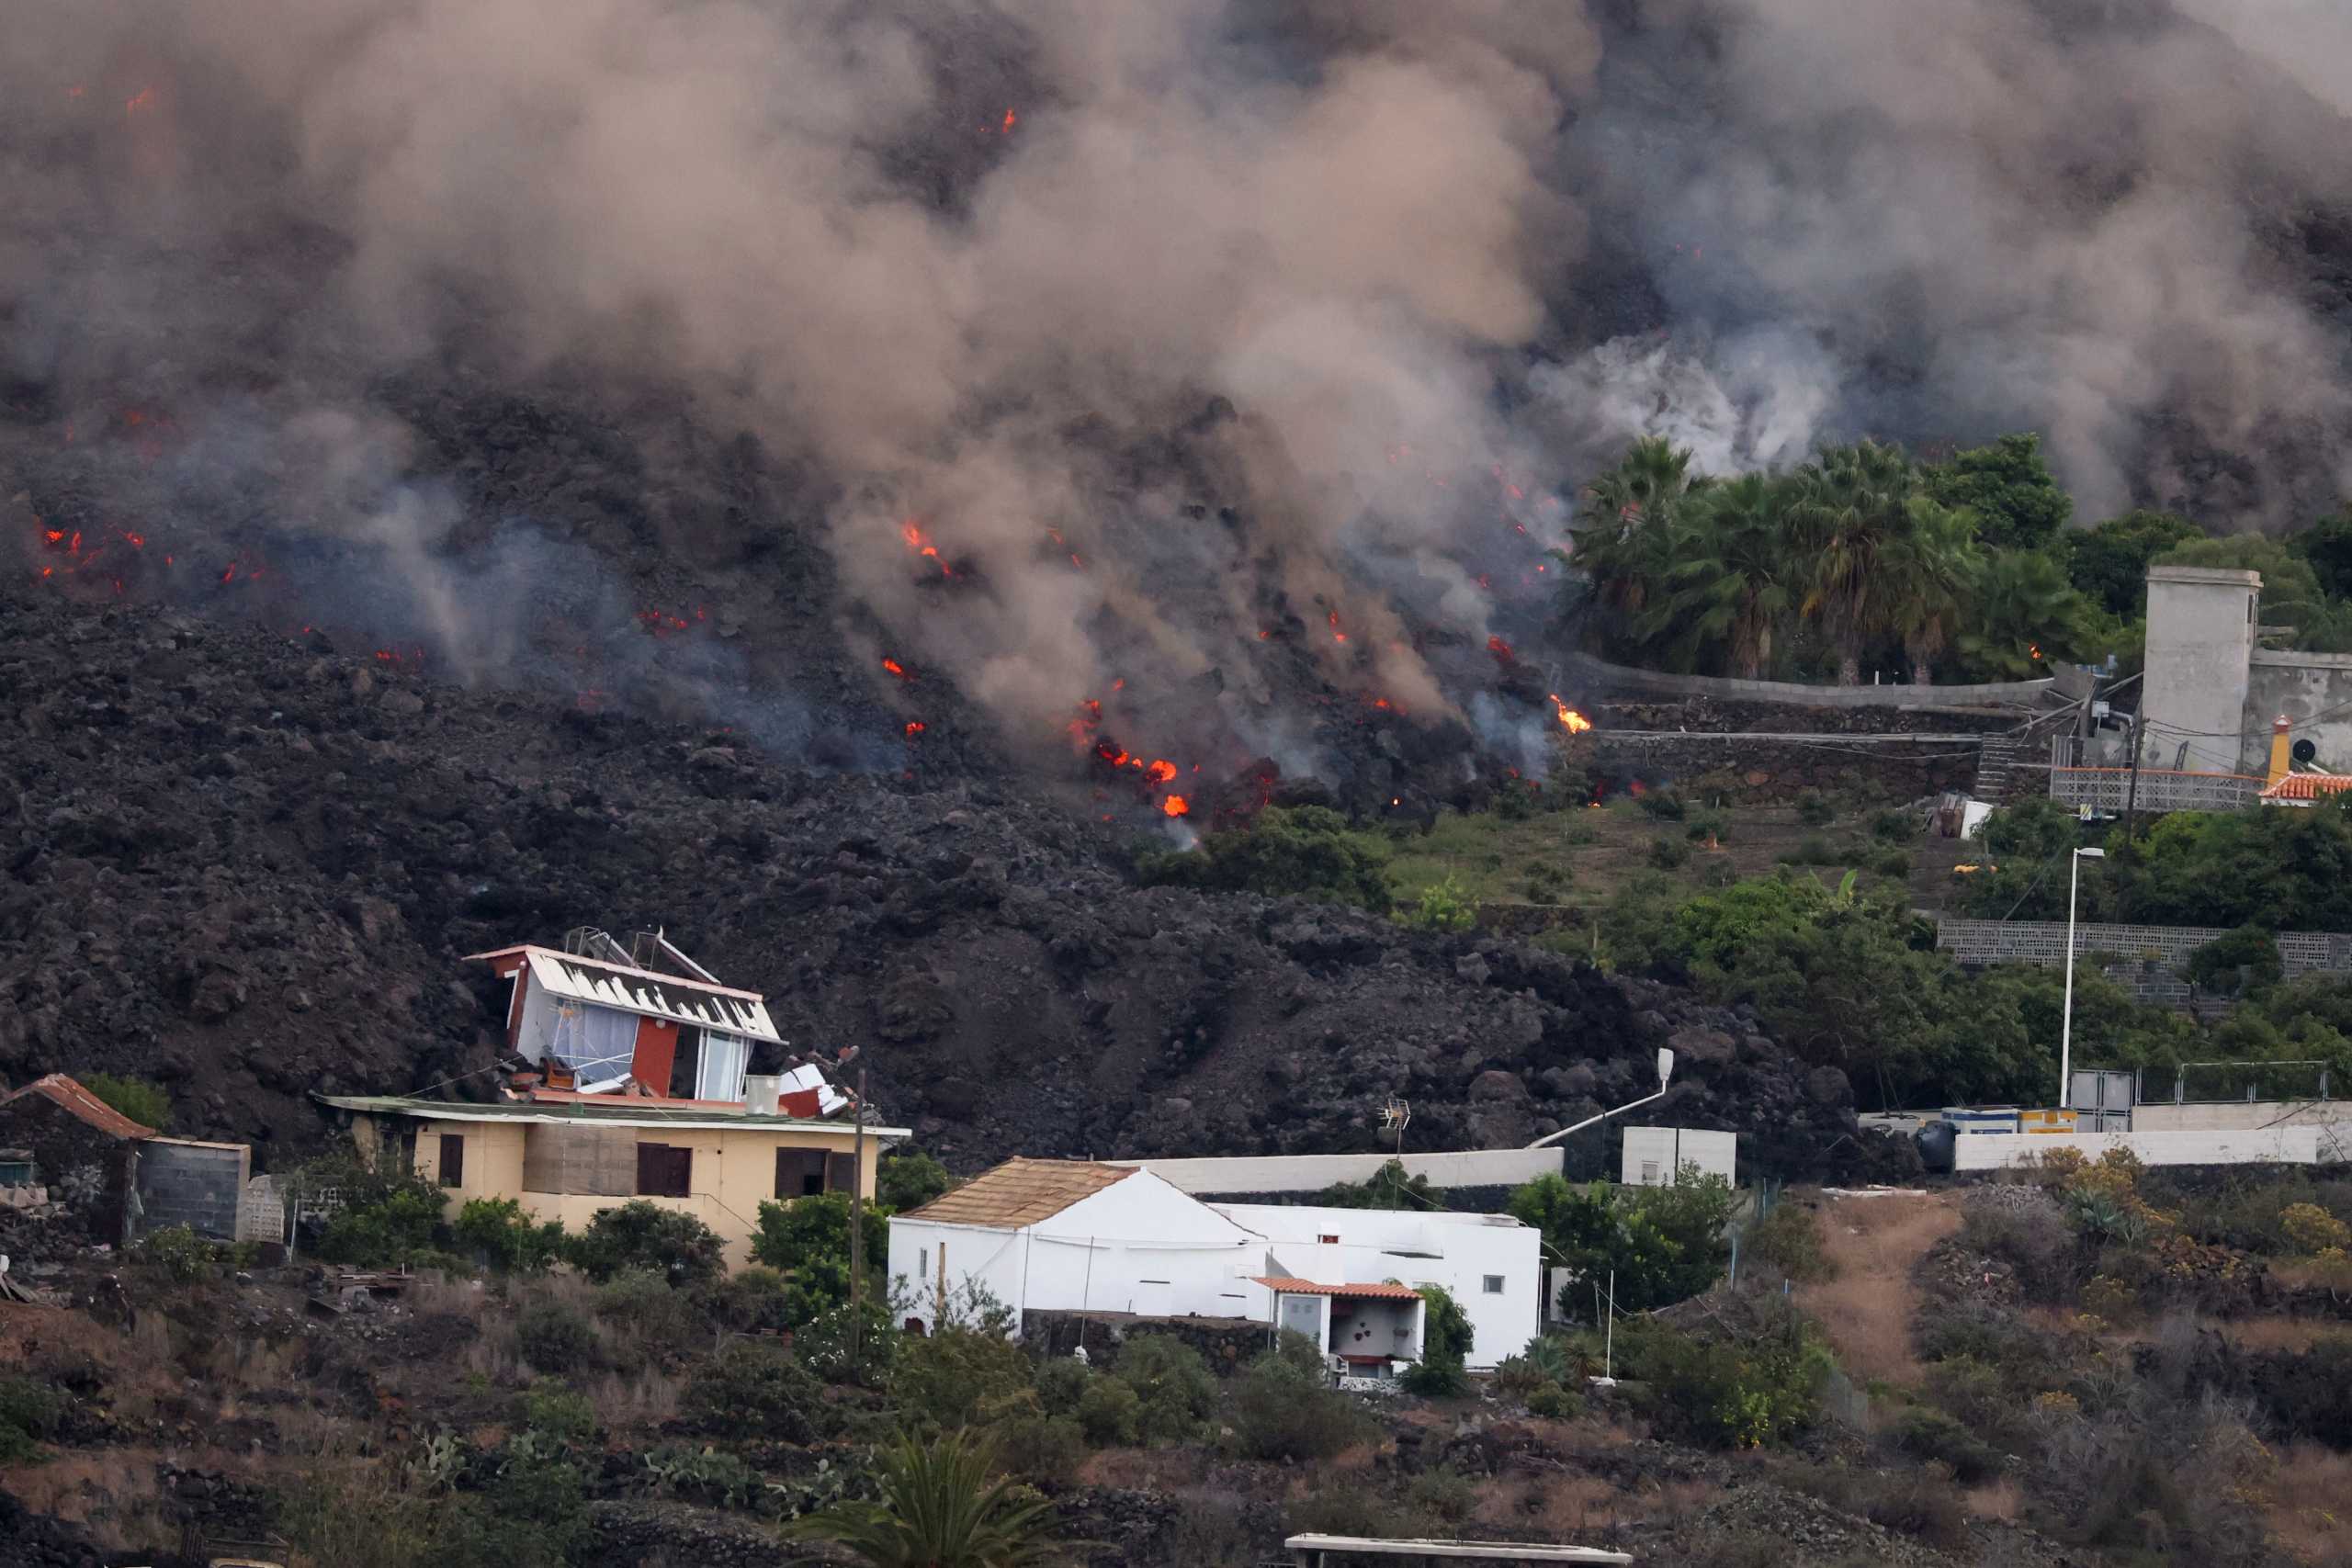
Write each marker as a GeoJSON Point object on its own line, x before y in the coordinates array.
{"type": "Point", "coordinates": [144, 1102]}
{"type": "Point", "coordinates": [1061, 1382]}
{"type": "Point", "coordinates": [827, 1348]}
{"type": "Point", "coordinates": [1788, 1239]}
{"type": "Point", "coordinates": [1894, 827]}
{"type": "Point", "coordinates": [1744, 1395]}
{"type": "Point", "coordinates": [1110, 1412]}
{"type": "Point", "coordinates": [1814, 809]}
{"type": "Point", "coordinates": [1664, 1244]}
{"type": "Point", "coordinates": [1932, 1435]}
{"type": "Point", "coordinates": [1891, 862]}
{"type": "Point", "coordinates": [1283, 1408]}
{"type": "Point", "coordinates": [385, 1231]}
{"type": "Point", "coordinates": [1665, 854]}
{"type": "Point", "coordinates": [536, 1516]}
{"type": "Point", "coordinates": [750, 1300]}
{"type": "Point", "coordinates": [2036, 1241]}
{"type": "Point", "coordinates": [643, 1236]}
{"type": "Point", "coordinates": [1546, 883]}
{"type": "Point", "coordinates": [2313, 1230]}
{"type": "Point", "coordinates": [560, 1412]}
{"type": "Point", "coordinates": [703, 1475]}
{"type": "Point", "coordinates": [1433, 1378]}
{"type": "Point", "coordinates": [1708, 825]}
{"type": "Point", "coordinates": [186, 1257]}
{"type": "Point", "coordinates": [751, 1389]}
{"type": "Point", "coordinates": [1444, 1495]}
{"type": "Point", "coordinates": [907, 1178]}
{"type": "Point", "coordinates": [1306, 851]}
{"type": "Point", "coordinates": [958, 1378]}
{"type": "Point", "coordinates": [1662, 805]}
{"type": "Point", "coordinates": [1554, 1402]}
{"type": "Point", "coordinates": [498, 1230]}
{"type": "Point", "coordinates": [808, 1240]}
{"type": "Point", "coordinates": [1174, 1387]}
{"type": "Point", "coordinates": [647, 1314]}
{"type": "Point", "coordinates": [555, 1336]}
{"type": "Point", "coordinates": [31, 1413]}
{"type": "Point", "coordinates": [1813, 849]}
{"type": "Point", "coordinates": [1441, 907]}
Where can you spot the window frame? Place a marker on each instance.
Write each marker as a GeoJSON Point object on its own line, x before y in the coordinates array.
{"type": "Point", "coordinates": [449, 1160]}
{"type": "Point", "coordinates": [676, 1164]}
{"type": "Point", "coordinates": [1492, 1284]}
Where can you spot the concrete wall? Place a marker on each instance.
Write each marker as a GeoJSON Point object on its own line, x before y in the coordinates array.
{"type": "Point", "coordinates": [1311, 1173]}
{"type": "Point", "coordinates": [192, 1184]}
{"type": "Point", "coordinates": [1654, 1157]}
{"type": "Point", "coordinates": [2201, 639]}
{"type": "Point", "coordinates": [1584, 668]}
{"type": "Point", "coordinates": [2156, 980]}
{"type": "Point", "coordinates": [1755, 767]}
{"type": "Point", "coordinates": [2269, 1146]}
{"type": "Point", "coordinates": [492, 1166]}
{"type": "Point", "coordinates": [2302, 686]}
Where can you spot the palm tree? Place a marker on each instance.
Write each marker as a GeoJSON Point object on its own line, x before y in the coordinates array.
{"type": "Point", "coordinates": [1623, 536]}
{"type": "Point", "coordinates": [1852, 502]}
{"type": "Point", "coordinates": [1930, 566]}
{"type": "Point", "coordinates": [2026, 613]}
{"type": "Point", "coordinates": [938, 1509]}
{"type": "Point", "coordinates": [1734, 572]}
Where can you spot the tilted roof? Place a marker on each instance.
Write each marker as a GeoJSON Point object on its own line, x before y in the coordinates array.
{"type": "Point", "coordinates": [78, 1101]}
{"type": "Point", "coordinates": [1283, 1284]}
{"type": "Point", "coordinates": [600, 1110]}
{"type": "Point", "coordinates": [642, 991]}
{"type": "Point", "coordinates": [1020, 1192]}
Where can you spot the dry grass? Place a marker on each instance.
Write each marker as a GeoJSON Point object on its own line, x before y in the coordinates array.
{"type": "Point", "coordinates": [2002, 1499]}
{"type": "Point", "coordinates": [1145, 1470]}
{"type": "Point", "coordinates": [2291, 1334]}
{"type": "Point", "coordinates": [1569, 1506]}
{"type": "Point", "coordinates": [626, 1401]}
{"type": "Point", "coordinates": [114, 1496]}
{"type": "Point", "coordinates": [1868, 1307]}
{"type": "Point", "coordinates": [2334, 1273]}
{"type": "Point", "coordinates": [2311, 1509]}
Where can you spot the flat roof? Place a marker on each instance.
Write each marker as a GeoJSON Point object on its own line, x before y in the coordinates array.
{"type": "Point", "coordinates": [1476, 1551]}
{"type": "Point", "coordinates": [621, 1113]}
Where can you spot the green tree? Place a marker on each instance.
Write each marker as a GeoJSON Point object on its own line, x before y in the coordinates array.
{"type": "Point", "coordinates": [1443, 906]}
{"type": "Point", "coordinates": [1174, 1387]}
{"type": "Point", "coordinates": [907, 1178]}
{"type": "Point", "coordinates": [508, 1238]}
{"type": "Point", "coordinates": [1304, 851]}
{"type": "Point", "coordinates": [2328, 545]}
{"type": "Point", "coordinates": [1853, 502]}
{"type": "Point", "coordinates": [1735, 576]}
{"type": "Point", "coordinates": [643, 1236]}
{"type": "Point", "coordinates": [142, 1100]}
{"type": "Point", "coordinates": [1625, 540]}
{"type": "Point", "coordinates": [1933, 565]}
{"type": "Point", "coordinates": [1662, 1244]}
{"type": "Point", "coordinates": [2245, 960]}
{"type": "Point", "coordinates": [807, 1240]}
{"type": "Point", "coordinates": [937, 1507]}
{"type": "Point", "coordinates": [1388, 1188]}
{"type": "Point", "coordinates": [2024, 615]}
{"type": "Point", "coordinates": [2108, 564]}
{"type": "Point", "coordinates": [2017, 501]}
{"type": "Point", "coordinates": [1447, 1333]}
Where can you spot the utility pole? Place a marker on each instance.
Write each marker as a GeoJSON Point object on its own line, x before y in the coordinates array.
{"type": "Point", "coordinates": [2131, 795]}
{"type": "Point", "coordinates": [857, 1226]}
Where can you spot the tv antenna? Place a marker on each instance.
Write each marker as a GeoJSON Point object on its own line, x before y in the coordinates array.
{"type": "Point", "coordinates": [1394, 1117]}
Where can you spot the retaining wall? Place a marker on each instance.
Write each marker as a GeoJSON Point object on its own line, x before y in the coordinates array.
{"type": "Point", "coordinates": [1755, 767]}
{"type": "Point", "coordinates": [1264, 1174]}
{"type": "Point", "coordinates": [1619, 677]}
{"type": "Point", "coordinates": [1977, 943]}
{"type": "Point", "coordinates": [2266, 1146]}
{"type": "Point", "coordinates": [1226, 1343]}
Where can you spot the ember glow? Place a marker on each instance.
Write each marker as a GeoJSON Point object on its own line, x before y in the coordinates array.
{"type": "Point", "coordinates": [1176, 806]}
{"type": "Point", "coordinates": [914, 727]}
{"type": "Point", "coordinates": [1337, 635]}
{"type": "Point", "coordinates": [1572, 721]}
{"type": "Point", "coordinates": [1503, 651]}
{"type": "Point", "coordinates": [921, 543]}
{"type": "Point", "coordinates": [894, 668]}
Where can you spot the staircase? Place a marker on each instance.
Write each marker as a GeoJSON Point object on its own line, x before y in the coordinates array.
{"type": "Point", "coordinates": [2013, 765]}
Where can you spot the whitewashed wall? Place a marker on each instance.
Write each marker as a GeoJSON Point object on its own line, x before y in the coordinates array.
{"type": "Point", "coordinates": [1653, 1156]}
{"type": "Point", "coordinates": [2264, 1145]}
{"type": "Point", "coordinates": [1312, 1173]}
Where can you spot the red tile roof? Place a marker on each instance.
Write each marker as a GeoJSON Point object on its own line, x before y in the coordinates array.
{"type": "Point", "coordinates": [79, 1102]}
{"type": "Point", "coordinates": [1287, 1286]}
{"type": "Point", "coordinates": [2308, 786]}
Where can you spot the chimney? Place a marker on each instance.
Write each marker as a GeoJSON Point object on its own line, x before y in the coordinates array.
{"type": "Point", "coordinates": [2281, 763]}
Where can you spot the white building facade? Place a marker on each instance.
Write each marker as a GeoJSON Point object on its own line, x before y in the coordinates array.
{"type": "Point", "coordinates": [1065, 1235]}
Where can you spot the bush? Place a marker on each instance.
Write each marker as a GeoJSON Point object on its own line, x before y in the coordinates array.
{"type": "Point", "coordinates": [1061, 1382]}
{"type": "Point", "coordinates": [1813, 849]}
{"type": "Point", "coordinates": [1109, 1412]}
{"type": "Point", "coordinates": [1932, 1435]}
{"type": "Point", "coordinates": [1443, 1495]}
{"type": "Point", "coordinates": [907, 1178]}
{"type": "Point", "coordinates": [1891, 862]}
{"type": "Point", "coordinates": [752, 1389]}
{"type": "Point", "coordinates": [827, 1348]}
{"type": "Point", "coordinates": [1546, 883]}
{"type": "Point", "coordinates": [508, 1239]}
{"type": "Point", "coordinates": [143, 1101]}
{"type": "Point", "coordinates": [808, 1240]}
{"type": "Point", "coordinates": [960, 1377]}
{"type": "Point", "coordinates": [1441, 907]}
{"type": "Point", "coordinates": [1894, 827]}
{"type": "Point", "coordinates": [536, 1516]}
{"type": "Point", "coordinates": [647, 1314]}
{"type": "Point", "coordinates": [2313, 1230]}
{"type": "Point", "coordinates": [385, 1232]}
{"type": "Point", "coordinates": [1743, 1395]}
{"type": "Point", "coordinates": [751, 1299]}
{"type": "Point", "coordinates": [1554, 1402]}
{"type": "Point", "coordinates": [1174, 1389]}
{"type": "Point", "coordinates": [186, 1257]}
{"type": "Point", "coordinates": [558, 1411]}
{"type": "Point", "coordinates": [31, 1413]}
{"type": "Point", "coordinates": [1788, 1239]}
{"type": "Point", "coordinates": [1708, 825]}
{"type": "Point", "coordinates": [1664, 1244]}
{"type": "Point", "coordinates": [555, 1336]}
{"type": "Point", "coordinates": [1662, 805]}
{"type": "Point", "coordinates": [1306, 851]}
{"type": "Point", "coordinates": [1667, 854]}
{"type": "Point", "coordinates": [1284, 1408]}
{"type": "Point", "coordinates": [1814, 810]}
{"type": "Point", "coordinates": [703, 1475]}
{"type": "Point", "coordinates": [1435, 1378]}
{"type": "Point", "coordinates": [643, 1236]}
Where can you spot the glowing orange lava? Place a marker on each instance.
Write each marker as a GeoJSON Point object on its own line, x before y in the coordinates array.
{"type": "Point", "coordinates": [894, 668]}
{"type": "Point", "coordinates": [914, 727]}
{"type": "Point", "coordinates": [1176, 806]}
{"type": "Point", "coordinates": [1573, 721]}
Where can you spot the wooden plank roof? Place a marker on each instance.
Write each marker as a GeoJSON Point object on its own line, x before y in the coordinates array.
{"type": "Point", "coordinates": [1020, 1192]}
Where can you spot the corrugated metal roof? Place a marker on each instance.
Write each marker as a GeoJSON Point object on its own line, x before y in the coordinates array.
{"type": "Point", "coordinates": [2308, 786]}
{"type": "Point", "coordinates": [78, 1101]}
{"type": "Point", "coordinates": [1286, 1285]}
{"type": "Point", "coordinates": [1020, 1192]}
{"type": "Point", "coordinates": [642, 991]}
{"type": "Point", "coordinates": [600, 1110]}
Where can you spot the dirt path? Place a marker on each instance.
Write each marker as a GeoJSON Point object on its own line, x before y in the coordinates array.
{"type": "Point", "coordinates": [1868, 1308]}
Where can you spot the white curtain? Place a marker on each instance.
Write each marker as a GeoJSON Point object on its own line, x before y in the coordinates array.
{"type": "Point", "coordinates": [597, 1043]}
{"type": "Point", "coordinates": [720, 1074]}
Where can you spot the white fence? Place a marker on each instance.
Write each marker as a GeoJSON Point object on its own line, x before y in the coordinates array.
{"type": "Point", "coordinates": [2254, 1145]}
{"type": "Point", "coordinates": [1312, 1173]}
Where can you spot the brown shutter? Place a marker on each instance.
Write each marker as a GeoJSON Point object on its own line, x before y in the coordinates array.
{"type": "Point", "coordinates": [453, 1159]}
{"type": "Point", "coordinates": [681, 1172]}
{"type": "Point", "coordinates": [799, 1173]}
{"type": "Point", "coordinates": [663, 1171]}
{"type": "Point", "coordinates": [841, 1173]}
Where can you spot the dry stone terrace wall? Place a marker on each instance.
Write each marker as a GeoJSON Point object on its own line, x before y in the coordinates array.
{"type": "Point", "coordinates": [2148, 958]}
{"type": "Point", "coordinates": [1618, 712]}
{"type": "Point", "coordinates": [1755, 769]}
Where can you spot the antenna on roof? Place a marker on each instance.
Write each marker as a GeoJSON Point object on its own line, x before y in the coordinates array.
{"type": "Point", "coordinates": [646, 947]}
{"type": "Point", "coordinates": [588, 942]}
{"type": "Point", "coordinates": [1394, 1117]}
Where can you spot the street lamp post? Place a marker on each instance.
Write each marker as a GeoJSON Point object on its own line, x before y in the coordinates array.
{"type": "Point", "coordinates": [2066, 1012]}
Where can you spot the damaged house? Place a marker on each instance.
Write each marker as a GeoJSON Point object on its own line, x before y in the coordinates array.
{"type": "Point", "coordinates": [62, 1147]}
{"type": "Point", "coordinates": [636, 1084]}
{"type": "Point", "coordinates": [1075, 1237]}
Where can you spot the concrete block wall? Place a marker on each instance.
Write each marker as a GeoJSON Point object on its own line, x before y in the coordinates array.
{"type": "Point", "coordinates": [1977, 943]}
{"type": "Point", "coordinates": [2266, 1146]}
{"type": "Point", "coordinates": [195, 1185]}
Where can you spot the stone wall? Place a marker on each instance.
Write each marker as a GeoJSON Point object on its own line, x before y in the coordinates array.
{"type": "Point", "coordinates": [84, 1169]}
{"type": "Point", "coordinates": [1715, 715]}
{"type": "Point", "coordinates": [1754, 769]}
{"type": "Point", "coordinates": [1226, 1343]}
{"type": "Point", "coordinates": [2147, 958]}
{"type": "Point", "coordinates": [1600, 675]}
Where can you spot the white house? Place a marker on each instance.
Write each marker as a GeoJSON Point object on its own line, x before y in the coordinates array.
{"type": "Point", "coordinates": [1067, 1235]}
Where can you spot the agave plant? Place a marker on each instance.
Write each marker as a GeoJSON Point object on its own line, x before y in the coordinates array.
{"type": "Point", "coordinates": [938, 1509]}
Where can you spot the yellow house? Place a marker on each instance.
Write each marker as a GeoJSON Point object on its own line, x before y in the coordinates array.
{"type": "Point", "coordinates": [568, 1157]}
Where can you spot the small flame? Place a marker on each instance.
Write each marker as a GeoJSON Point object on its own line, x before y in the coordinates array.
{"type": "Point", "coordinates": [1502, 650]}
{"type": "Point", "coordinates": [914, 727]}
{"type": "Point", "coordinates": [894, 668]}
{"type": "Point", "coordinates": [1011, 119]}
{"type": "Point", "coordinates": [1160, 770]}
{"type": "Point", "coordinates": [1176, 806]}
{"type": "Point", "coordinates": [1573, 721]}
{"type": "Point", "coordinates": [1337, 635]}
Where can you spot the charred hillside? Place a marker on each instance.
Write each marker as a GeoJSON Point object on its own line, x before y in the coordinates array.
{"type": "Point", "coordinates": [247, 863]}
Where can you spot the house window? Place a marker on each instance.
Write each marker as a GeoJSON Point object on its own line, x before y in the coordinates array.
{"type": "Point", "coordinates": [1328, 1240]}
{"type": "Point", "coordinates": [15, 1170]}
{"type": "Point", "coordinates": [1494, 1284]}
{"type": "Point", "coordinates": [799, 1173]}
{"type": "Point", "coordinates": [1649, 1173]}
{"type": "Point", "coordinates": [453, 1159]}
{"type": "Point", "coordinates": [841, 1173]}
{"type": "Point", "coordinates": [663, 1171]}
